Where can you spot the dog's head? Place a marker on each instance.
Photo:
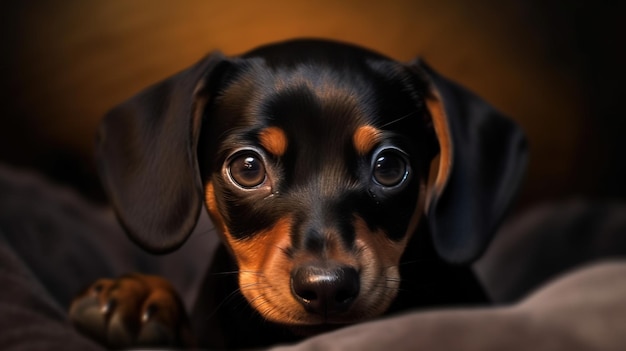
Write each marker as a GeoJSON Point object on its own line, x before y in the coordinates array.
{"type": "Point", "coordinates": [316, 161]}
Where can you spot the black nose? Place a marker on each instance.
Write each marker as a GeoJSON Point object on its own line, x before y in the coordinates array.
{"type": "Point", "coordinates": [325, 290]}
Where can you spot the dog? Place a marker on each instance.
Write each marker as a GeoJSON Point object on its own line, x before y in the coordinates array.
{"type": "Point", "coordinates": [344, 185]}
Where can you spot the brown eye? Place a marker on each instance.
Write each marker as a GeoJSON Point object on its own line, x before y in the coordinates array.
{"type": "Point", "coordinates": [390, 168]}
{"type": "Point", "coordinates": [247, 170]}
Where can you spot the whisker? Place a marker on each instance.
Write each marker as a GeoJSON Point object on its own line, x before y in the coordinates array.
{"type": "Point", "coordinates": [223, 273]}
{"type": "Point", "coordinates": [264, 307]}
{"type": "Point", "coordinates": [232, 295]}
{"type": "Point", "coordinates": [204, 232]}
{"type": "Point", "coordinates": [235, 272]}
{"type": "Point", "coordinates": [222, 303]}
{"type": "Point", "coordinates": [421, 260]}
{"type": "Point", "coordinates": [398, 119]}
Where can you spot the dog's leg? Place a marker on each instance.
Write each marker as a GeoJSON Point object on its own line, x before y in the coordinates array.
{"type": "Point", "coordinates": [130, 311]}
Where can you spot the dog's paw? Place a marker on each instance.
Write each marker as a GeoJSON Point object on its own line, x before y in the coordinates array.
{"type": "Point", "coordinates": [133, 310]}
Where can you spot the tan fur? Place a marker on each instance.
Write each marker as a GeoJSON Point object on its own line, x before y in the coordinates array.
{"type": "Point", "coordinates": [444, 166]}
{"type": "Point", "coordinates": [274, 140]}
{"type": "Point", "coordinates": [365, 138]}
{"type": "Point", "coordinates": [265, 268]}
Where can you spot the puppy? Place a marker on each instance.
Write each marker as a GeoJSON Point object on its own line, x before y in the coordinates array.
{"type": "Point", "coordinates": [344, 185]}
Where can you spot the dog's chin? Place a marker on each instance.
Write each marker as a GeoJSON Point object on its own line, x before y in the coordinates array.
{"type": "Point", "coordinates": [315, 329]}
{"type": "Point", "coordinates": [312, 329]}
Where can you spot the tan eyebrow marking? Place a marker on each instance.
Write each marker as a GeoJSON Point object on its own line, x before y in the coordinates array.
{"type": "Point", "coordinates": [274, 140]}
{"type": "Point", "coordinates": [365, 139]}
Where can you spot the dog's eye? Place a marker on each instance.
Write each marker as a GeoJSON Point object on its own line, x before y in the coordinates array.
{"type": "Point", "coordinates": [390, 168]}
{"type": "Point", "coordinates": [247, 170]}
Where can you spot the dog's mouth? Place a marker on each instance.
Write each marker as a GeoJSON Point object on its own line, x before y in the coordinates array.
{"type": "Point", "coordinates": [312, 295]}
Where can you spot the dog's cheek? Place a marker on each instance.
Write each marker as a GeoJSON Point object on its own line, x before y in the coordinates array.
{"type": "Point", "coordinates": [264, 268]}
{"type": "Point", "coordinates": [385, 251]}
{"type": "Point", "coordinates": [250, 253]}
{"type": "Point", "coordinates": [214, 213]}
{"type": "Point", "coordinates": [264, 277]}
{"type": "Point", "coordinates": [379, 259]}
{"type": "Point", "coordinates": [419, 212]}
{"type": "Point", "coordinates": [258, 250]}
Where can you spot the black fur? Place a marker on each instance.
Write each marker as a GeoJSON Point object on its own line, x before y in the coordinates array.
{"type": "Point", "coordinates": [161, 148]}
{"type": "Point", "coordinates": [283, 90]}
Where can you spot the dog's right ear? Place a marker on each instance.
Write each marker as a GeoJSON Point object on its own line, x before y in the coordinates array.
{"type": "Point", "coordinates": [147, 159]}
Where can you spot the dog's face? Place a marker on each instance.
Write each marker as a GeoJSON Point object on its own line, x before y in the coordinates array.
{"type": "Point", "coordinates": [316, 176]}
{"type": "Point", "coordinates": [313, 159]}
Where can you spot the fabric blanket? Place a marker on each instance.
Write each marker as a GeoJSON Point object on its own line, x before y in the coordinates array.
{"type": "Point", "coordinates": [549, 272]}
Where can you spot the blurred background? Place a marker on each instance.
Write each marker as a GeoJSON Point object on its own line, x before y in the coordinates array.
{"type": "Point", "coordinates": [554, 66]}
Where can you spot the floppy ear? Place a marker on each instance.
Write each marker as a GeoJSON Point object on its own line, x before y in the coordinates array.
{"type": "Point", "coordinates": [482, 161]}
{"type": "Point", "coordinates": [147, 160]}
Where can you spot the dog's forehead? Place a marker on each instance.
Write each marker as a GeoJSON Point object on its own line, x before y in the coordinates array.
{"type": "Point", "coordinates": [319, 101]}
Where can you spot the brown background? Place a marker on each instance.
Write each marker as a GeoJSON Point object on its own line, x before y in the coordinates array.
{"type": "Point", "coordinates": [556, 67]}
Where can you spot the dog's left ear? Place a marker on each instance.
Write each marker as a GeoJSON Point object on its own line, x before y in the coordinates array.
{"type": "Point", "coordinates": [147, 159]}
{"type": "Point", "coordinates": [482, 161]}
